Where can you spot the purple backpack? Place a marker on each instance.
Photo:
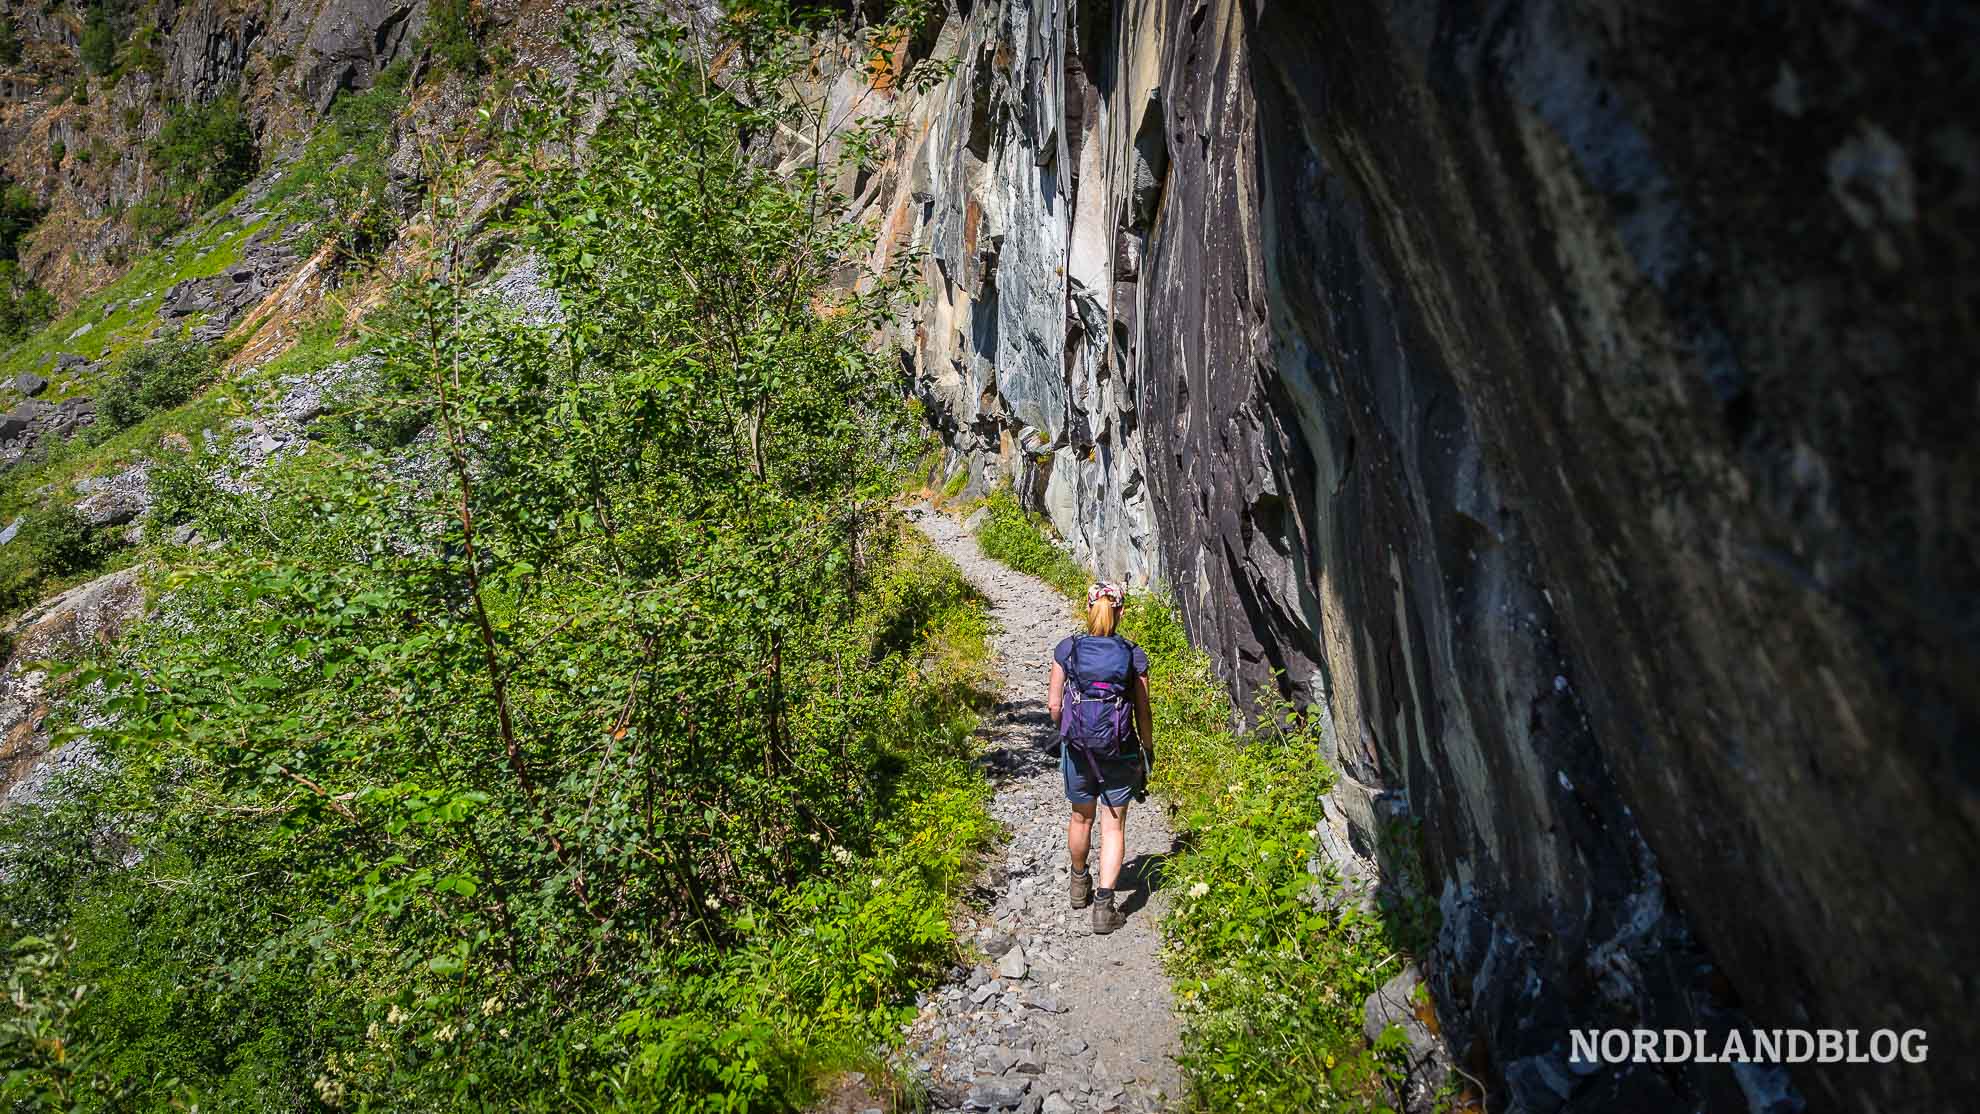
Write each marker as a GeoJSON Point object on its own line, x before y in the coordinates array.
{"type": "Point", "coordinates": [1098, 712]}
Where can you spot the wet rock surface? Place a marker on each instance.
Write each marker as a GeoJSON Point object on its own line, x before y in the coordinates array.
{"type": "Point", "coordinates": [1574, 409]}
{"type": "Point", "coordinates": [1051, 1017]}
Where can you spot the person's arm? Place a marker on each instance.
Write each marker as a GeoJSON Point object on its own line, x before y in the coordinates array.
{"type": "Point", "coordinates": [1144, 712]}
{"type": "Point", "coordinates": [1058, 691]}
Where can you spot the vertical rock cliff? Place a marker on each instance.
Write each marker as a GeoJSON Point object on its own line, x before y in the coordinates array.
{"type": "Point", "coordinates": [81, 138]}
{"type": "Point", "coordinates": [1570, 400]}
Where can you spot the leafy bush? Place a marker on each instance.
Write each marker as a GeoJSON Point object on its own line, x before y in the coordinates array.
{"type": "Point", "coordinates": [143, 55]}
{"type": "Point", "coordinates": [98, 45]}
{"type": "Point", "coordinates": [10, 40]}
{"type": "Point", "coordinates": [453, 33]}
{"type": "Point", "coordinates": [151, 378]}
{"type": "Point", "coordinates": [19, 213]}
{"type": "Point", "coordinates": [24, 307]}
{"type": "Point", "coordinates": [205, 152]}
{"type": "Point", "coordinates": [181, 490]}
{"type": "Point", "coordinates": [155, 217]}
{"type": "Point", "coordinates": [1270, 978]}
{"type": "Point", "coordinates": [340, 184]}
{"type": "Point", "coordinates": [52, 544]}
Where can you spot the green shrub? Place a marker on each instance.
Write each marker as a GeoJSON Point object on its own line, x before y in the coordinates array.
{"type": "Point", "coordinates": [205, 152]}
{"type": "Point", "coordinates": [181, 490]}
{"type": "Point", "coordinates": [453, 33]}
{"type": "Point", "coordinates": [98, 45]}
{"type": "Point", "coordinates": [151, 378]}
{"type": "Point", "coordinates": [19, 213]}
{"type": "Point", "coordinates": [10, 40]}
{"type": "Point", "coordinates": [1269, 979]}
{"type": "Point", "coordinates": [607, 749]}
{"type": "Point", "coordinates": [52, 544]}
{"type": "Point", "coordinates": [155, 217]}
{"type": "Point", "coordinates": [340, 184]}
{"type": "Point", "coordinates": [143, 55]}
{"type": "Point", "coordinates": [24, 307]}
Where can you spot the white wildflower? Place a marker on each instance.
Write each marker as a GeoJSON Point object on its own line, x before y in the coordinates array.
{"type": "Point", "coordinates": [841, 854]}
{"type": "Point", "coordinates": [394, 1015]}
{"type": "Point", "coordinates": [331, 1091]}
{"type": "Point", "coordinates": [444, 1033]}
{"type": "Point", "coordinates": [491, 1007]}
{"type": "Point", "coordinates": [1199, 889]}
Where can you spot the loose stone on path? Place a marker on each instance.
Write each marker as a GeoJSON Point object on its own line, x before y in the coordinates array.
{"type": "Point", "coordinates": [1050, 1019]}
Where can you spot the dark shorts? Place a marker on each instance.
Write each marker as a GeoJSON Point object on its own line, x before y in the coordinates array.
{"type": "Point", "coordinates": [1121, 779]}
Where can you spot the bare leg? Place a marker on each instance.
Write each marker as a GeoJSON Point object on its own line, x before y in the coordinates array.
{"type": "Point", "coordinates": [1113, 843]}
{"type": "Point", "coordinates": [1079, 837]}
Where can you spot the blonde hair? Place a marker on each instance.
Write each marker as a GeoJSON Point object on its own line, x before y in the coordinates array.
{"type": "Point", "coordinates": [1101, 615]}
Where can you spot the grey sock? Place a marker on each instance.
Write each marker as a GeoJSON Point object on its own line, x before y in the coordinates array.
{"type": "Point", "coordinates": [1103, 894]}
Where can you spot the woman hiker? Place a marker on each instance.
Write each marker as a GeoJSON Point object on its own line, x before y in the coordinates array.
{"type": "Point", "coordinates": [1107, 731]}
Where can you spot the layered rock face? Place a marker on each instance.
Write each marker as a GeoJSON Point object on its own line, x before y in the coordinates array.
{"type": "Point", "coordinates": [79, 141]}
{"type": "Point", "coordinates": [1570, 400]}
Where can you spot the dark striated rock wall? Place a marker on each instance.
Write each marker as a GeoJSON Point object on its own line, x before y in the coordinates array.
{"type": "Point", "coordinates": [1572, 400]}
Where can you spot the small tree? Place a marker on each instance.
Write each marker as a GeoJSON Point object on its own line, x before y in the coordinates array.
{"type": "Point", "coordinates": [453, 33]}
{"type": "Point", "coordinates": [157, 376]}
{"type": "Point", "coordinates": [18, 214]}
{"type": "Point", "coordinates": [98, 46]}
{"type": "Point", "coordinates": [10, 41]}
{"type": "Point", "coordinates": [205, 152]}
{"type": "Point", "coordinates": [24, 307]}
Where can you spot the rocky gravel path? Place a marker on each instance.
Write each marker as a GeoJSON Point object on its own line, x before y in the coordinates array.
{"type": "Point", "coordinates": [1050, 1019]}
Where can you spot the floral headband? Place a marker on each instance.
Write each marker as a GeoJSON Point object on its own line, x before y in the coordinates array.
{"type": "Point", "coordinates": [1106, 590]}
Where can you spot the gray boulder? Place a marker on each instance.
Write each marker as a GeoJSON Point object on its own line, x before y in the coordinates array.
{"type": "Point", "coordinates": [87, 615]}
{"type": "Point", "coordinates": [1404, 1002]}
{"type": "Point", "coordinates": [115, 500]}
{"type": "Point", "coordinates": [15, 423]}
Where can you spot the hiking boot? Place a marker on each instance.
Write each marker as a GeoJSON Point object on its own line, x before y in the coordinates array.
{"type": "Point", "coordinates": [1106, 918]}
{"type": "Point", "coordinates": [1081, 889]}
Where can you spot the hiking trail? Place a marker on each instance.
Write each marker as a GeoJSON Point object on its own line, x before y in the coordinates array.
{"type": "Point", "coordinates": [1051, 1018]}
